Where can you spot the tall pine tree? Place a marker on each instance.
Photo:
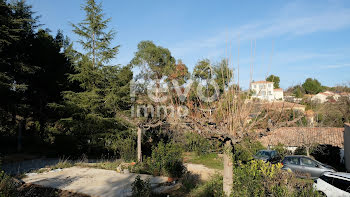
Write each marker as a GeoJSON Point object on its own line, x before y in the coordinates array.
{"type": "Point", "coordinates": [105, 90]}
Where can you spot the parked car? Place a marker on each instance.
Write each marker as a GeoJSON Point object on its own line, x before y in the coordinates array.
{"type": "Point", "coordinates": [303, 165]}
{"type": "Point", "coordinates": [333, 184]}
{"type": "Point", "coordinates": [271, 156]}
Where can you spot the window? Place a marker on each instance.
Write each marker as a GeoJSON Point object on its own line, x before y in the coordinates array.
{"type": "Point", "coordinates": [254, 86]}
{"type": "Point", "coordinates": [273, 154]}
{"type": "Point", "coordinates": [291, 160]}
{"type": "Point", "coordinates": [341, 184]}
{"type": "Point", "coordinates": [270, 93]}
{"type": "Point", "coordinates": [307, 162]}
{"type": "Point", "coordinates": [327, 179]}
{"type": "Point", "coordinates": [261, 86]}
{"type": "Point", "coordinates": [269, 85]}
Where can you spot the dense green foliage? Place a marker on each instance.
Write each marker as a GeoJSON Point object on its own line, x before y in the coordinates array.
{"type": "Point", "coordinates": [245, 150]}
{"type": "Point", "coordinates": [211, 188]}
{"type": "Point", "coordinates": [8, 187]}
{"type": "Point", "coordinates": [166, 160]}
{"type": "Point", "coordinates": [32, 73]}
{"type": "Point", "coordinates": [258, 178]}
{"type": "Point", "coordinates": [51, 90]}
{"type": "Point", "coordinates": [275, 80]}
{"type": "Point", "coordinates": [312, 86]}
{"type": "Point", "coordinates": [94, 112]}
{"type": "Point", "coordinates": [196, 143]}
{"type": "Point", "coordinates": [141, 188]}
{"type": "Point", "coordinates": [156, 62]}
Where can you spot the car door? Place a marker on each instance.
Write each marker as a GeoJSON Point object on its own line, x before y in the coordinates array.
{"type": "Point", "coordinates": [273, 157]}
{"type": "Point", "coordinates": [293, 164]}
{"type": "Point", "coordinates": [310, 167]}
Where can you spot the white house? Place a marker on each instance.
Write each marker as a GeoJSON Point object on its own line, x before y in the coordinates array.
{"type": "Point", "coordinates": [264, 90]}
{"type": "Point", "coordinates": [324, 96]}
{"type": "Point", "coordinates": [278, 94]}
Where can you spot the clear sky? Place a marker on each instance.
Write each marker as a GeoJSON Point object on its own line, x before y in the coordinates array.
{"type": "Point", "coordinates": [298, 39]}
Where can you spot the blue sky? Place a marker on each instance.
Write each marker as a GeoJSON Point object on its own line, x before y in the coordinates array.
{"type": "Point", "coordinates": [294, 39]}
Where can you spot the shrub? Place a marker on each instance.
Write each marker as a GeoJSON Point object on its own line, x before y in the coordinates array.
{"type": "Point", "coordinates": [62, 163]}
{"type": "Point", "coordinates": [125, 147]}
{"type": "Point", "coordinates": [257, 178]}
{"type": "Point", "coordinates": [165, 160]}
{"type": "Point", "coordinates": [282, 151]}
{"type": "Point", "coordinates": [245, 150]}
{"type": "Point", "coordinates": [8, 187]}
{"type": "Point", "coordinates": [196, 143]}
{"type": "Point", "coordinates": [141, 188]}
{"type": "Point", "coordinates": [213, 187]}
{"type": "Point", "coordinates": [189, 181]}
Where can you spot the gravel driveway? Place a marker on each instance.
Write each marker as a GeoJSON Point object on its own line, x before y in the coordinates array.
{"type": "Point", "coordinates": [95, 182]}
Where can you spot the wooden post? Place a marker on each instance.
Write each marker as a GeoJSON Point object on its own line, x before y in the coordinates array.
{"type": "Point", "coordinates": [228, 170]}
{"type": "Point", "coordinates": [139, 137]}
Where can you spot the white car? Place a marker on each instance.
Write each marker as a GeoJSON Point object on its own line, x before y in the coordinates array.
{"type": "Point", "coordinates": [335, 184]}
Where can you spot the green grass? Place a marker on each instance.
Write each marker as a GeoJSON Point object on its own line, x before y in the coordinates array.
{"type": "Point", "coordinates": [211, 160]}
{"type": "Point", "coordinates": [107, 165]}
{"type": "Point", "coordinates": [65, 163]}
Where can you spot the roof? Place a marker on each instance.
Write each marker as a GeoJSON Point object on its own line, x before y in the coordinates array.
{"type": "Point", "coordinates": [262, 82]}
{"type": "Point", "coordinates": [338, 174]}
{"type": "Point", "coordinates": [284, 105]}
{"type": "Point", "coordinates": [299, 136]}
{"type": "Point", "coordinates": [278, 89]}
{"type": "Point", "coordinates": [326, 94]}
{"type": "Point", "coordinates": [304, 156]}
{"type": "Point", "coordinates": [268, 150]}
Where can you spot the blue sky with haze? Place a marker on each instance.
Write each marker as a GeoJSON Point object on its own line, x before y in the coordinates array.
{"type": "Point", "coordinates": [308, 38]}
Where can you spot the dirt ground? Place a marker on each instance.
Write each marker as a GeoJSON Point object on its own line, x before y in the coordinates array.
{"type": "Point", "coordinates": [31, 190]}
{"type": "Point", "coordinates": [90, 181]}
{"type": "Point", "coordinates": [203, 172]}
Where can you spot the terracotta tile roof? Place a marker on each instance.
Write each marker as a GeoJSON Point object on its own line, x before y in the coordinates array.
{"type": "Point", "coordinates": [283, 105]}
{"type": "Point", "coordinates": [344, 94]}
{"type": "Point", "coordinates": [326, 94]}
{"type": "Point", "coordinates": [278, 89]}
{"type": "Point", "coordinates": [262, 82]}
{"type": "Point", "coordinates": [297, 136]}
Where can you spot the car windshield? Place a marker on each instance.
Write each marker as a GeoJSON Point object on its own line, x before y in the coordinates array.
{"type": "Point", "coordinates": [263, 154]}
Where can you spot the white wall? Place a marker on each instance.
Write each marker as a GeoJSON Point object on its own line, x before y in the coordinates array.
{"type": "Point", "coordinates": [263, 91]}
{"type": "Point", "coordinates": [278, 95]}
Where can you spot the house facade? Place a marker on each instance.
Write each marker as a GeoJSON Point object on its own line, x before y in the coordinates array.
{"type": "Point", "coordinates": [327, 96]}
{"type": "Point", "coordinates": [264, 90]}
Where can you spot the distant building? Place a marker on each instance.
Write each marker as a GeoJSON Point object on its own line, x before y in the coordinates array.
{"type": "Point", "coordinates": [264, 90]}
{"type": "Point", "coordinates": [278, 94]}
{"type": "Point", "coordinates": [292, 99]}
{"type": "Point", "coordinates": [326, 96]}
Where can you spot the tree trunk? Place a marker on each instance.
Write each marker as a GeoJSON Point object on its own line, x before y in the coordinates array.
{"type": "Point", "coordinates": [228, 170]}
{"type": "Point", "coordinates": [307, 151]}
{"type": "Point", "coordinates": [139, 152]}
{"type": "Point", "coordinates": [19, 137]}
